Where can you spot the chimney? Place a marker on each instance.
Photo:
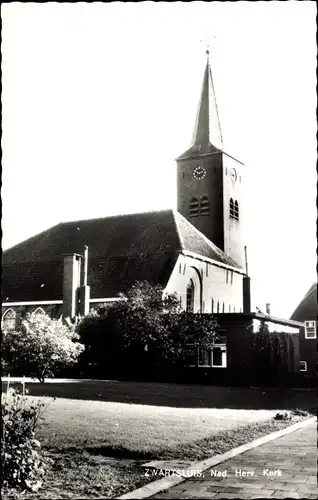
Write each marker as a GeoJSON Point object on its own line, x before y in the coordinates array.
{"type": "Point", "coordinates": [246, 294]}
{"type": "Point", "coordinates": [268, 309]}
{"type": "Point", "coordinates": [84, 291]}
{"type": "Point", "coordinates": [246, 287]}
{"type": "Point", "coordinates": [71, 282]}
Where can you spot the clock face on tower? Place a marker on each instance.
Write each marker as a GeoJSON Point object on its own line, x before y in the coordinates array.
{"type": "Point", "coordinates": [199, 172]}
{"type": "Point", "coordinates": [233, 174]}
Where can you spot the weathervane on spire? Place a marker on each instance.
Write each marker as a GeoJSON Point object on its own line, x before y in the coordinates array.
{"type": "Point", "coordinates": [207, 46]}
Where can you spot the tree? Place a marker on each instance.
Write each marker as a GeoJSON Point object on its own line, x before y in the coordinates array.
{"type": "Point", "coordinates": [41, 346]}
{"type": "Point", "coordinates": [147, 327]}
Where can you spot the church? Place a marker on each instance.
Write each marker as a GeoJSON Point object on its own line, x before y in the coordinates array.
{"type": "Point", "coordinates": [197, 252]}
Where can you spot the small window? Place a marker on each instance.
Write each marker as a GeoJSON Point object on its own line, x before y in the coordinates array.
{"type": "Point", "coordinates": [303, 366]}
{"type": "Point", "coordinates": [194, 208]}
{"type": "Point", "coordinates": [204, 206]}
{"type": "Point", "coordinates": [9, 319]}
{"type": "Point", "coordinates": [219, 357]}
{"type": "Point", "coordinates": [310, 330]}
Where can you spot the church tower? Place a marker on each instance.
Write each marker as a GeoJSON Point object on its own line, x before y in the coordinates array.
{"type": "Point", "coordinates": [210, 182]}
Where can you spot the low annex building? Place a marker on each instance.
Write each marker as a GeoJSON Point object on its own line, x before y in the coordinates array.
{"type": "Point", "coordinates": [306, 313]}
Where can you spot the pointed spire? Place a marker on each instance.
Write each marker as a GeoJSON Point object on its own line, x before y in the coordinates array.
{"type": "Point", "coordinates": [207, 128]}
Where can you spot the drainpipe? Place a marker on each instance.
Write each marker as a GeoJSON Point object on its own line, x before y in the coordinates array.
{"type": "Point", "coordinates": [246, 287]}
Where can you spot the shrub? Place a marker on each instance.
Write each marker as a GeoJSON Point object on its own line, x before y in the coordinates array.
{"type": "Point", "coordinates": [23, 463]}
{"type": "Point", "coordinates": [41, 346]}
{"type": "Point", "coordinates": [146, 332]}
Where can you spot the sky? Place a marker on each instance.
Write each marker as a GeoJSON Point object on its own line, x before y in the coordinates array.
{"type": "Point", "coordinates": [100, 98]}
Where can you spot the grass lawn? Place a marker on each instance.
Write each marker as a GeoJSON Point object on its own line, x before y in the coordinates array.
{"type": "Point", "coordinates": [98, 446]}
{"type": "Point", "coordinates": [174, 395]}
{"type": "Point", "coordinates": [135, 430]}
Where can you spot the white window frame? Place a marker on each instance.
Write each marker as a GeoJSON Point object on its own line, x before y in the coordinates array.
{"type": "Point", "coordinates": [312, 325]}
{"type": "Point", "coordinates": [224, 351]}
{"type": "Point", "coordinates": [211, 365]}
{"type": "Point", "coordinates": [305, 366]}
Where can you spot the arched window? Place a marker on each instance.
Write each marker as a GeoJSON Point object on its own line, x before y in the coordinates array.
{"type": "Point", "coordinates": [39, 310]}
{"type": "Point", "coordinates": [9, 320]}
{"type": "Point", "coordinates": [190, 297]}
{"type": "Point", "coordinates": [194, 208]}
{"type": "Point", "coordinates": [204, 206]}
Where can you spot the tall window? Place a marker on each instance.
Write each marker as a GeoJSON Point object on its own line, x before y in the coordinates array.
{"type": "Point", "coordinates": [204, 206]}
{"type": "Point", "coordinates": [234, 209]}
{"type": "Point", "coordinates": [212, 306]}
{"type": "Point", "coordinates": [9, 320]}
{"type": "Point", "coordinates": [310, 330]}
{"type": "Point", "coordinates": [194, 208]}
{"type": "Point", "coordinates": [190, 297]}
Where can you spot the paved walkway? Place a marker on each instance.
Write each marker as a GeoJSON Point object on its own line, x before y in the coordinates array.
{"type": "Point", "coordinates": [283, 468]}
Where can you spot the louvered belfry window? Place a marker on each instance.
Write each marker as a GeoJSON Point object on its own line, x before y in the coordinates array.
{"type": "Point", "coordinates": [234, 209]}
{"type": "Point", "coordinates": [204, 206]}
{"type": "Point", "coordinates": [194, 208]}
